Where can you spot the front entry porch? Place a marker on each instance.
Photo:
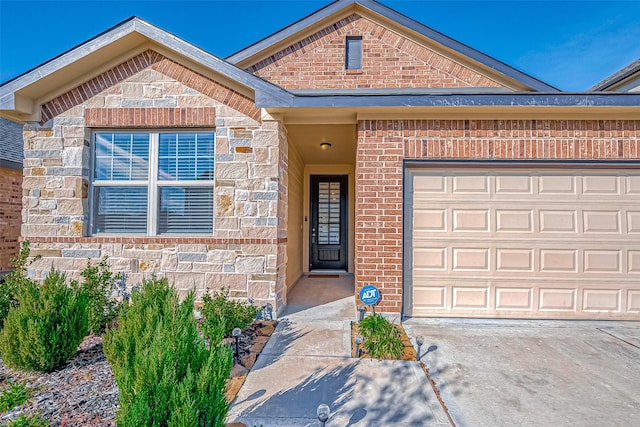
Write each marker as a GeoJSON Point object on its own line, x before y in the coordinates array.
{"type": "Point", "coordinates": [328, 294]}
{"type": "Point", "coordinates": [320, 200]}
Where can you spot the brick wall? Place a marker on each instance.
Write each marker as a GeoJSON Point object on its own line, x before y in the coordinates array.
{"type": "Point", "coordinates": [10, 215]}
{"type": "Point", "coordinates": [389, 61]}
{"type": "Point", "coordinates": [150, 91]}
{"type": "Point", "coordinates": [382, 146]}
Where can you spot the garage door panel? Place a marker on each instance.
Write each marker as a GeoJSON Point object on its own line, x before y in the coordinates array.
{"type": "Point", "coordinates": [470, 259]}
{"type": "Point", "coordinates": [557, 185]}
{"type": "Point", "coordinates": [633, 221]}
{"type": "Point", "coordinates": [512, 185]}
{"type": "Point", "coordinates": [466, 298]}
{"type": "Point", "coordinates": [601, 221]}
{"type": "Point", "coordinates": [601, 300]}
{"type": "Point", "coordinates": [601, 185]}
{"type": "Point", "coordinates": [430, 184]}
{"type": "Point", "coordinates": [633, 301]}
{"type": "Point", "coordinates": [430, 258]}
{"type": "Point", "coordinates": [514, 220]}
{"type": "Point", "coordinates": [466, 184]}
{"type": "Point", "coordinates": [633, 185]}
{"type": "Point", "coordinates": [520, 299]}
{"type": "Point", "coordinates": [470, 220]}
{"type": "Point", "coordinates": [633, 262]}
{"type": "Point", "coordinates": [511, 259]}
{"type": "Point", "coordinates": [430, 220]}
{"type": "Point", "coordinates": [558, 221]}
{"type": "Point", "coordinates": [431, 297]}
{"type": "Point", "coordinates": [529, 244]}
{"type": "Point", "coordinates": [558, 299]}
{"type": "Point", "coordinates": [599, 261]}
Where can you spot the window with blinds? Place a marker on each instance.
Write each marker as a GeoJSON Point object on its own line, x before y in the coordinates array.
{"type": "Point", "coordinates": [153, 183]}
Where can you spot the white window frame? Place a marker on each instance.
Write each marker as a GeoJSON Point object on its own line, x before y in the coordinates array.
{"type": "Point", "coordinates": [152, 183]}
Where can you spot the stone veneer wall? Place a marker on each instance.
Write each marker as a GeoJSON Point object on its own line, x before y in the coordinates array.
{"type": "Point", "coordinates": [245, 251]}
{"type": "Point", "coordinates": [384, 144]}
{"type": "Point", "coordinates": [10, 206]}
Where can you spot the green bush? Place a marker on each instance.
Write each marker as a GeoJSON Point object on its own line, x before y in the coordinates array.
{"type": "Point", "coordinates": [45, 329]}
{"type": "Point", "coordinates": [382, 339]}
{"type": "Point", "coordinates": [13, 281]}
{"type": "Point", "coordinates": [166, 374]}
{"type": "Point", "coordinates": [28, 421]}
{"type": "Point", "coordinates": [220, 310]}
{"type": "Point", "coordinates": [14, 395]}
{"type": "Point", "coordinates": [100, 283]}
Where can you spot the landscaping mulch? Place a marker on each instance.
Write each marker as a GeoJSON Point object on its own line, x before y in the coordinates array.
{"type": "Point", "coordinates": [84, 393]}
{"type": "Point", "coordinates": [81, 393]}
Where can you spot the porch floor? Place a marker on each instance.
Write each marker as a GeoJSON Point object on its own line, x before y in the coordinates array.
{"type": "Point", "coordinates": [316, 289]}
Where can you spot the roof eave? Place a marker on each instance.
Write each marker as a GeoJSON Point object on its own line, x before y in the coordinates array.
{"type": "Point", "coordinates": [525, 99]}
{"type": "Point", "coordinates": [13, 104]}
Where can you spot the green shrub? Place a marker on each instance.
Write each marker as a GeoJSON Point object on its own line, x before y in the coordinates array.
{"type": "Point", "coordinates": [381, 338]}
{"type": "Point", "coordinates": [28, 421]}
{"type": "Point", "coordinates": [166, 374]}
{"type": "Point", "coordinates": [14, 395]}
{"type": "Point", "coordinates": [220, 310]}
{"type": "Point", "coordinates": [13, 281]}
{"type": "Point", "coordinates": [44, 331]}
{"type": "Point", "coordinates": [100, 283]}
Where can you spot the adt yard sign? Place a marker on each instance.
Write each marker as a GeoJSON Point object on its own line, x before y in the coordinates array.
{"type": "Point", "coordinates": [369, 295]}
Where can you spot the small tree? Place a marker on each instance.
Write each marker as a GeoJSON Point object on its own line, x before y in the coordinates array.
{"type": "Point", "coordinates": [100, 283]}
{"type": "Point", "coordinates": [220, 311]}
{"type": "Point", "coordinates": [47, 326]}
{"type": "Point", "coordinates": [166, 374]}
{"type": "Point", "coordinates": [13, 281]}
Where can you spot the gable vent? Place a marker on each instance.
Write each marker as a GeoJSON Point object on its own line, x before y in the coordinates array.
{"type": "Point", "coordinates": [353, 60]}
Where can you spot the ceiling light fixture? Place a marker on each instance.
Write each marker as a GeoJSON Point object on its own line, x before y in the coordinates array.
{"type": "Point", "coordinates": [325, 146]}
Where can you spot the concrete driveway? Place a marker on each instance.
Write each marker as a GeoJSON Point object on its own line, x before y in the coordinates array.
{"type": "Point", "coordinates": [534, 373]}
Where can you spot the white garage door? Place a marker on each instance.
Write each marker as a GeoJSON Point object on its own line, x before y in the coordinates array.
{"type": "Point", "coordinates": [518, 243]}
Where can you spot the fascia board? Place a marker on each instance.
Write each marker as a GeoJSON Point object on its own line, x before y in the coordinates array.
{"type": "Point", "coordinates": [67, 58]}
{"type": "Point", "coordinates": [462, 100]}
{"type": "Point", "coordinates": [617, 78]}
{"type": "Point", "coordinates": [289, 31]}
{"type": "Point", "coordinates": [210, 61]}
{"type": "Point", "coordinates": [8, 90]}
{"type": "Point", "coordinates": [457, 46]}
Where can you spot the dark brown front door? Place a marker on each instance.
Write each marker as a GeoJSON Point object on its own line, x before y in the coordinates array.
{"type": "Point", "coordinates": [328, 228]}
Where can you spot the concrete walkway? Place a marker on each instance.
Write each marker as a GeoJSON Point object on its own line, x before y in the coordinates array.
{"type": "Point", "coordinates": [488, 373]}
{"type": "Point", "coordinates": [306, 362]}
{"type": "Point", "coordinates": [534, 373]}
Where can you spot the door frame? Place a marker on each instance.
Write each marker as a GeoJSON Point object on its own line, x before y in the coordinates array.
{"type": "Point", "coordinates": [344, 221]}
{"type": "Point", "coordinates": [327, 169]}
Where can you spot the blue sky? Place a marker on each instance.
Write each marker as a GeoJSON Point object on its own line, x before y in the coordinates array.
{"type": "Point", "coordinates": [569, 44]}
